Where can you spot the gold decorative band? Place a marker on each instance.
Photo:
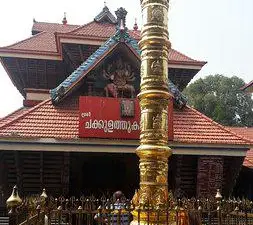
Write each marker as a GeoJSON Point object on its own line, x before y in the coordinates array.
{"type": "Point", "coordinates": [154, 98]}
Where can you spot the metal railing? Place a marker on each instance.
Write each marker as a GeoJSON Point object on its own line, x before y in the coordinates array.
{"type": "Point", "coordinates": [88, 210]}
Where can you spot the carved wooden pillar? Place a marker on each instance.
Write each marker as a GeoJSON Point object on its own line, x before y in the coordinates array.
{"type": "Point", "coordinates": [18, 169]}
{"type": "Point", "coordinates": [210, 175]}
{"type": "Point", "coordinates": [179, 163]}
{"type": "Point", "coordinates": [65, 173]}
{"type": "Point", "coordinates": [42, 170]}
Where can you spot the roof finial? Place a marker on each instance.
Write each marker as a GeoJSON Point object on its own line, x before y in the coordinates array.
{"type": "Point", "coordinates": [135, 24]}
{"type": "Point", "coordinates": [105, 9]}
{"type": "Point", "coordinates": [34, 20]}
{"type": "Point", "coordinates": [121, 18]}
{"type": "Point", "coordinates": [64, 21]}
{"type": "Point", "coordinates": [105, 16]}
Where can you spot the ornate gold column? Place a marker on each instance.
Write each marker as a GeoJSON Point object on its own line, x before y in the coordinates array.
{"type": "Point", "coordinates": [154, 98]}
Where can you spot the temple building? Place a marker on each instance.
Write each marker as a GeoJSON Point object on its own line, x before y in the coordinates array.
{"type": "Point", "coordinates": [79, 125]}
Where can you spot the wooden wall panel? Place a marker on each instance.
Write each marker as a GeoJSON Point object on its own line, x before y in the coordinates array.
{"type": "Point", "coordinates": [210, 175]}
{"type": "Point", "coordinates": [32, 171]}
{"type": "Point", "coordinates": [9, 161]}
{"type": "Point", "coordinates": [186, 175]}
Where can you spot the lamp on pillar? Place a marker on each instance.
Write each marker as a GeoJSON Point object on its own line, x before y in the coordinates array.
{"type": "Point", "coordinates": [154, 98]}
{"type": "Point", "coordinates": [13, 202]}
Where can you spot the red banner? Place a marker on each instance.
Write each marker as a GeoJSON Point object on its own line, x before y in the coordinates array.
{"type": "Point", "coordinates": [116, 118]}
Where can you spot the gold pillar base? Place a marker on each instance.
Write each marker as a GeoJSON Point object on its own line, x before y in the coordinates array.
{"type": "Point", "coordinates": [153, 217]}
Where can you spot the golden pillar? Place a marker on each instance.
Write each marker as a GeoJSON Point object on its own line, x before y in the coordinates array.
{"type": "Point", "coordinates": [154, 98]}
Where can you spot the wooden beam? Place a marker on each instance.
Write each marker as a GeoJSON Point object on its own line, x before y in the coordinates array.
{"type": "Point", "coordinates": [18, 169]}
{"type": "Point", "coordinates": [179, 162]}
{"type": "Point", "coordinates": [81, 53]}
{"type": "Point", "coordinates": [41, 170]}
{"type": "Point", "coordinates": [65, 171]}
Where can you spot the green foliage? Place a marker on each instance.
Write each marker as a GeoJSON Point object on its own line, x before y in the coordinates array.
{"type": "Point", "coordinates": [221, 99]}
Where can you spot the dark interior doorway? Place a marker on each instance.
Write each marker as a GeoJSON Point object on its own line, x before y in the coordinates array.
{"type": "Point", "coordinates": [103, 173]}
{"type": "Point", "coordinates": [244, 184]}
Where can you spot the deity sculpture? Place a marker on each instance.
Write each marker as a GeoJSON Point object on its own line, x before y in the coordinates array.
{"type": "Point", "coordinates": [120, 74]}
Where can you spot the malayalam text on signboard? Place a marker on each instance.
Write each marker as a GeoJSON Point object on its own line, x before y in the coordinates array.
{"type": "Point", "coordinates": [115, 118]}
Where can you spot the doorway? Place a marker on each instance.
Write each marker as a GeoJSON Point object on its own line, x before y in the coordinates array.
{"type": "Point", "coordinates": [103, 173]}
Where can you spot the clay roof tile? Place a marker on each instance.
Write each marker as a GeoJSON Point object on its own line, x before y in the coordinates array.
{"type": "Point", "coordinates": [62, 121]}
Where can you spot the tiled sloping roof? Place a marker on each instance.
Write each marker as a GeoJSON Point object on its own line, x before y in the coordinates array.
{"type": "Point", "coordinates": [248, 133]}
{"type": "Point", "coordinates": [192, 126]}
{"type": "Point", "coordinates": [243, 131]}
{"type": "Point", "coordinates": [53, 27]}
{"type": "Point", "coordinates": [46, 121]}
{"type": "Point", "coordinates": [45, 40]}
{"type": "Point", "coordinates": [101, 30]}
{"type": "Point", "coordinates": [177, 56]}
{"type": "Point", "coordinates": [13, 115]}
{"type": "Point", "coordinates": [61, 122]}
{"type": "Point", "coordinates": [104, 30]}
{"type": "Point", "coordinates": [42, 42]}
{"type": "Point", "coordinates": [136, 34]}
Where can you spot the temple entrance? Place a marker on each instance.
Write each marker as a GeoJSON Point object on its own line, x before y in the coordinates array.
{"type": "Point", "coordinates": [103, 173]}
{"type": "Point", "coordinates": [244, 184]}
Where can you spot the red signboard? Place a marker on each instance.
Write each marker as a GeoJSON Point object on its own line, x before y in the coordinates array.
{"type": "Point", "coordinates": [114, 118]}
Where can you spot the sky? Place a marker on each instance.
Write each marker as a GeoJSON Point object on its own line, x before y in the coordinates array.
{"type": "Point", "coordinates": [217, 31]}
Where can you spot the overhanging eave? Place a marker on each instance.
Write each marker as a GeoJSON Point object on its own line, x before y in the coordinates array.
{"type": "Point", "coordinates": [116, 146]}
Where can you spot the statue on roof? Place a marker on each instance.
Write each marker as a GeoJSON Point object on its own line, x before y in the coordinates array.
{"type": "Point", "coordinates": [120, 74]}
